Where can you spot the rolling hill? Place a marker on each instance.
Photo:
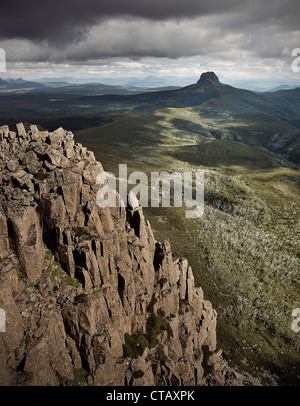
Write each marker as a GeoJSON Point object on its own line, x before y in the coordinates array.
{"type": "Point", "coordinates": [270, 120]}
{"type": "Point", "coordinates": [286, 97]}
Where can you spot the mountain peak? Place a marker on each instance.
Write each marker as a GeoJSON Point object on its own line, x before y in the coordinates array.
{"type": "Point", "coordinates": [208, 79]}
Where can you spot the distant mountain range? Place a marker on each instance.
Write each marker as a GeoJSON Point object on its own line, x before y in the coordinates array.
{"type": "Point", "coordinates": [283, 87]}
{"type": "Point", "coordinates": [153, 81]}
{"type": "Point", "coordinates": [269, 119]}
{"type": "Point", "coordinates": [19, 84]}
{"type": "Point", "coordinates": [60, 85]}
{"type": "Point", "coordinates": [207, 88]}
{"type": "Point", "coordinates": [288, 98]}
{"type": "Point", "coordinates": [150, 81]}
{"type": "Point", "coordinates": [121, 84]}
{"type": "Point", "coordinates": [23, 86]}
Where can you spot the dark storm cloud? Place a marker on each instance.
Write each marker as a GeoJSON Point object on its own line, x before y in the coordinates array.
{"type": "Point", "coordinates": [63, 21]}
{"type": "Point", "coordinates": [83, 30]}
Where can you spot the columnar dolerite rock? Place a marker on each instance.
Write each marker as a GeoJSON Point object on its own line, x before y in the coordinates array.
{"type": "Point", "coordinates": [88, 292]}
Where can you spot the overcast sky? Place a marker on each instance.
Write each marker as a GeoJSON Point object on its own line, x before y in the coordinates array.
{"type": "Point", "coordinates": [113, 38]}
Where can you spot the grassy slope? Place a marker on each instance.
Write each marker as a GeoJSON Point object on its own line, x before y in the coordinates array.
{"type": "Point", "coordinates": [288, 97]}
{"type": "Point", "coordinates": [245, 250]}
{"type": "Point", "coordinates": [225, 112]}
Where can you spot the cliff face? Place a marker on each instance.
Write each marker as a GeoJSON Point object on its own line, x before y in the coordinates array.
{"type": "Point", "coordinates": [89, 295]}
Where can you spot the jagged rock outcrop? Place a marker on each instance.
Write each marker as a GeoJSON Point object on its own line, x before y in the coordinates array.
{"type": "Point", "coordinates": [90, 296]}
{"type": "Point", "coordinates": [208, 79]}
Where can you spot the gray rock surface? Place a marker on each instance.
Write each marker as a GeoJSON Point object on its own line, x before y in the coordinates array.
{"type": "Point", "coordinates": [89, 294]}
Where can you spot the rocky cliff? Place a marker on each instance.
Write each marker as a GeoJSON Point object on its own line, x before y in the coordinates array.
{"type": "Point", "coordinates": [90, 296]}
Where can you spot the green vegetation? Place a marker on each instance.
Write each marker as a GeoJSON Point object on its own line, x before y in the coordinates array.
{"type": "Point", "coordinates": [136, 343]}
{"type": "Point", "coordinates": [48, 254]}
{"type": "Point", "coordinates": [155, 324]}
{"type": "Point", "coordinates": [159, 355]}
{"type": "Point", "coordinates": [80, 376]}
{"type": "Point", "coordinates": [153, 301]}
{"type": "Point", "coordinates": [57, 273]}
{"type": "Point", "coordinates": [244, 251]}
{"type": "Point", "coordinates": [82, 233]}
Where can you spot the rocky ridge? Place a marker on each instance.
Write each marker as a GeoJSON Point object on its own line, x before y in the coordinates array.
{"type": "Point", "coordinates": [208, 79]}
{"type": "Point", "coordinates": [90, 296]}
